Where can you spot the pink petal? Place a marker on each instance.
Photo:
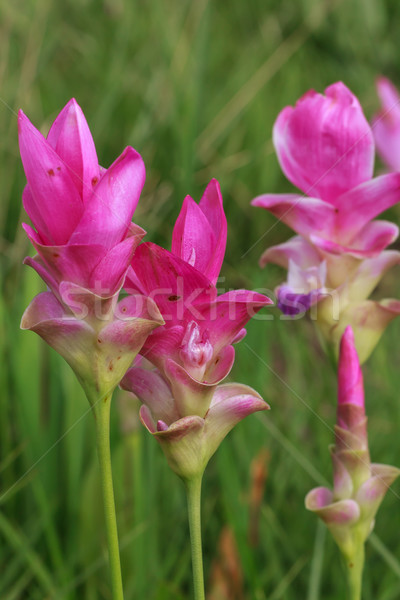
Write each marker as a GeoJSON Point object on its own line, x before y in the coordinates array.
{"type": "Point", "coordinates": [297, 249]}
{"type": "Point", "coordinates": [173, 284]}
{"type": "Point", "coordinates": [108, 213]}
{"type": "Point", "coordinates": [74, 263]}
{"type": "Point", "coordinates": [304, 215]}
{"type": "Point", "coordinates": [40, 267]}
{"type": "Point", "coordinates": [361, 204]}
{"type": "Point", "coordinates": [71, 139]}
{"type": "Point", "coordinates": [342, 512]}
{"type": "Point", "coordinates": [70, 337]}
{"type": "Point", "coordinates": [212, 206]}
{"type": "Point", "coordinates": [325, 145]}
{"type": "Point", "coordinates": [191, 397]}
{"type": "Point", "coordinates": [350, 378]}
{"type": "Point", "coordinates": [111, 270]}
{"type": "Point", "coordinates": [151, 389]}
{"type": "Point", "coordinates": [224, 318]}
{"type": "Point", "coordinates": [193, 239]}
{"type": "Point", "coordinates": [53, 202]}
{"type": "Point", "coordinates": [221, 365]}
{"type": "Point", "coordinates": [369, 242]}
{"type": "Point", "coordinates": [372, 492]}
{"type": "Point", "coordinates": [231, 403]}
{"type": "Point", "coordinates": [386, 124]}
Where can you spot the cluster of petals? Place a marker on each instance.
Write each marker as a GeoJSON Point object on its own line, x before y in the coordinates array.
{"type": "Point", "coordinates": [325, 147]}
{"type": "Point", "coordinates": [193, 351]}
{"type": "Point", "coordinates": [359, 486]}
{"type": "Point", "coordinates": [85, 239]}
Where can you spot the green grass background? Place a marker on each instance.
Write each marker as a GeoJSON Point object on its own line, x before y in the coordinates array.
{"type": "Point", "coordinates": [195, 87]}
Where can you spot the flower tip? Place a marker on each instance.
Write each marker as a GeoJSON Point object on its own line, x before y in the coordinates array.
{"type": "Point", "coordinates": [350, 380]}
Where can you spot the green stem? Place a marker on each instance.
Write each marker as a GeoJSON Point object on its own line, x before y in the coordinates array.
{"type": "Point", "coordinates": [102, 415]}
{"type": "Point", "coordinates": [193, 493]}
{"type": "Point", "coordinates": [354, 573]}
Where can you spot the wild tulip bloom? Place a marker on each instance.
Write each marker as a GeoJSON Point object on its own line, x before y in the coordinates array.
{"type": "Point", "coordinates": [325, 146]}
{"type": "Point", "coordinates": [193, 350]}
{"type": "Point", "coordinates": [185, 405]}
{"type": "Point", "coordinates": [359, 486]}
{"type": "Point", "coordinates": [386, 124]}
{"type": "Point", "coordinates": [85, 240]}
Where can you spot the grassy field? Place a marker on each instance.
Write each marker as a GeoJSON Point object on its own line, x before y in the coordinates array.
{"type": "Point", "coordinates": [195, 87]}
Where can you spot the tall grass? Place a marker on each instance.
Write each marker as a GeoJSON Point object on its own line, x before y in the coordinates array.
{"type": "Point", "coordinates": [195, 87]}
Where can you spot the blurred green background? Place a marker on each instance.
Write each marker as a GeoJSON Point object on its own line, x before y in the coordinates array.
{"type": "Point", "coordinates": [195, 87]}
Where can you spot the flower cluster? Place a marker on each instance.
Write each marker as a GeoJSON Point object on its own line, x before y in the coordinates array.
{"type": "Point", "coordinates": [88, 249]}
{"type": "Point", "coordinates": [325, 147]}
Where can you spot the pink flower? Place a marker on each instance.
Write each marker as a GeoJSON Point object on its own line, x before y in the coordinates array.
{"type": "Point", "coordinates": [193, 350]}
{"type": "Point", "coordinates": [85, 241]}
{"type": "Point", "coordinates": [359, 486]}
{"type": "Point", "coordinates": [82, 213]}
{"type": "Point", "coordinates": [386, 124]}
{"type": "Point", "coordinates": [189, 441]}
{"type": "Point", "coordinates": [325, 147]}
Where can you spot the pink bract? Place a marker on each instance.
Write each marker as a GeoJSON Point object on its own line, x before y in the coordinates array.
{"type": "Point", "coordinates": [82, 213]}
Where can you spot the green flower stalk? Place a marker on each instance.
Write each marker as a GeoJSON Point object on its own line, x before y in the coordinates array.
{"type": "Point", "coordinates": [359, 486]}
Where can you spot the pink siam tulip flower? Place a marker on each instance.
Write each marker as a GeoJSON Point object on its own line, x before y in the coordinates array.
{"type": "Point", "coordinates": [85, 241]}
{"type": "Point", "coordinates": [82, 213]}
{"type": "Point", "coordinates": [189, 441]}
{"type": "Point", "coordinates": [325, 147]}
{"type": "Point", "coordinates": [193, 350]}
{"type": "Point", "coordinates": [359, 485]}
{"type": "Point", "coordinates": [386, 124]}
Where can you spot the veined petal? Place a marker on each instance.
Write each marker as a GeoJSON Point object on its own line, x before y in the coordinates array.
{"type": "Point", "coordinates": [53, 202]}
{"type": "Point", "coordinates": [325, 144]}
{"type": "Point", "coordinates": [108, 212]}
{"type": "Point", "coordinates": [71, 139]}
{"type": "Point", "coordinates": [304, 215]}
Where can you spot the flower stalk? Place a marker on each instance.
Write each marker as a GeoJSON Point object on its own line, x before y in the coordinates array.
{"type": "Point", "coordinates": [193, 495]}
{"type": "Point", "coordinates": [102, 419]}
